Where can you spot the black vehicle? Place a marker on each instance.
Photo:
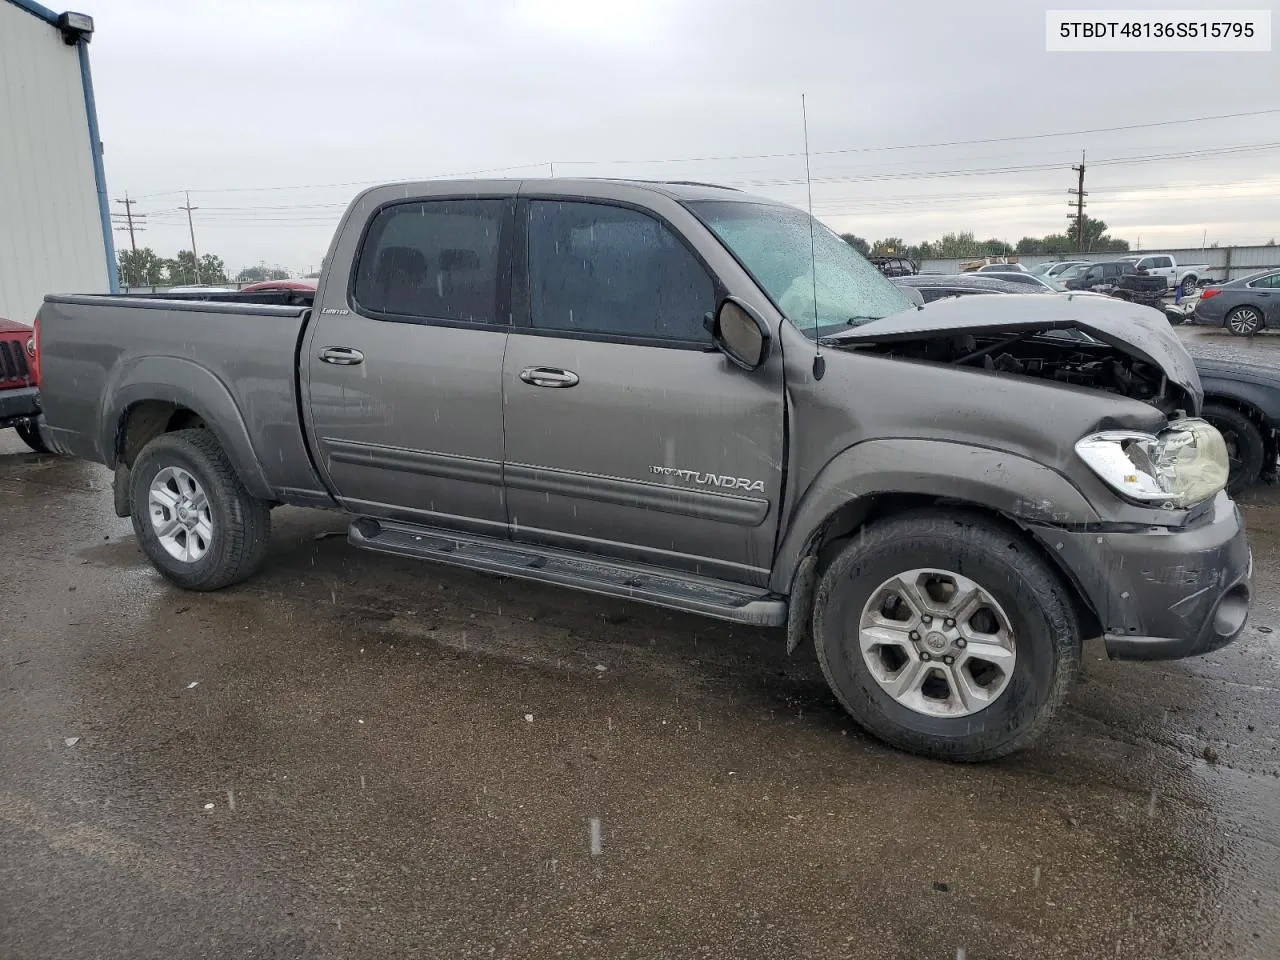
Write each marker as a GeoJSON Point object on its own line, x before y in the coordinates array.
{"type": "Point", "coordinates": [1121, 279]}
{"type": "Point", "coordinates": [1241, 399]}
{"type": "Point", "coordinates": [895, 266]}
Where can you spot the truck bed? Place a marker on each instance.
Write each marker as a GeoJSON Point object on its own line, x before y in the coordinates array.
{"type": "Point", "coordinates": [230, 363]}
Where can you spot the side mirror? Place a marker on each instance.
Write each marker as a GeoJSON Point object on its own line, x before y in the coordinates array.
{"type": "Point", "coordinates": [741, 334]}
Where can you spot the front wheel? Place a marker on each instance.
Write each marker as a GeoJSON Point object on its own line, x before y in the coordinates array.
{"type": "Point", "coordinates": [30, 434]}
{"type": "Point", "coordinates": [1246, 449]}
{"type": "Point", "coordinates": [946, 635]}
{"type": "Point", "coordinates": [193, 517]}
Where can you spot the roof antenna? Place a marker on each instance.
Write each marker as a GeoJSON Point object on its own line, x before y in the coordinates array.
{"type": "Point", "coordinates": [819, 361]}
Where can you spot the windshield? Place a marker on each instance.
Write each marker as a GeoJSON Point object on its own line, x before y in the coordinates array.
{"type": "Point", "coordinates": [773, 243]}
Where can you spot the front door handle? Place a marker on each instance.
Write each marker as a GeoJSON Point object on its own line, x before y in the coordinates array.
{"type": "Point", "coordinates": [548, 377]}
{"type": "Point", "coordinates": [342, 356]}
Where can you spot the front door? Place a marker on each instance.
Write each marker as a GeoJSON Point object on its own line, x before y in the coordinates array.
{"type": "Point", "coordinates": [403, 369]}
{"type": "Point", "coordinates": [627, 434]}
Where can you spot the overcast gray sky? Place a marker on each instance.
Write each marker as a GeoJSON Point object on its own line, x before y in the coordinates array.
{"type": "Point", "coordinates": [273, 113]}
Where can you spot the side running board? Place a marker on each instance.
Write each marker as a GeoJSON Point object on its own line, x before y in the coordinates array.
{"type": "Point", "coordinates": [713, 598]}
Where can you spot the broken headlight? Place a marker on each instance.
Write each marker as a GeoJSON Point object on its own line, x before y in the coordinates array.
{"type": "Point", "coordinates": [1181, 466]}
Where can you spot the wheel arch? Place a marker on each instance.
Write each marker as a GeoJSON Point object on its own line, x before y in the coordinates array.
{"type": "Point", "coordinates": [878, 479]}
{"type": "Point", "coordinates": [161, 394]}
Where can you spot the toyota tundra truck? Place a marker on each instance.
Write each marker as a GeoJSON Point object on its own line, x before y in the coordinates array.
{"type": "Point", "coordinates": [696, 398]}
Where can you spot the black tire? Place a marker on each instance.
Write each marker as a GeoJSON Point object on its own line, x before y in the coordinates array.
{"type": "Point", "coordinates": [1038, 606]}
{"type": "Point", "coordinates": [30, 434]}
{"type": "Point", "coordinates": [1246, 447]}
{"type": "Point", "coordinates": [1243, 321]}
{"type": "Point", "coordinates": [1189, 284]}
{"type": "Point", "coordinates": [241, 523]}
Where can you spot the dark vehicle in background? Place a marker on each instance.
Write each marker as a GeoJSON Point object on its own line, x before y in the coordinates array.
{"type": "Point", "coordinates": [1242, 400]}
{"type": "Point", "coordinates": [19, 383]}
{"type": "Point", "coordinates": [1121, 279]}
{"type": "Point", "coordinates": [699, 399]}
{"type": "Point", "coordinates": [1244, 306]}
{"type": "Point", "coordinates": [288, 293]}
{"type": "Point", "coordinates": [933, 286]}
{"type": "Point", "coordinates": [894, 266]}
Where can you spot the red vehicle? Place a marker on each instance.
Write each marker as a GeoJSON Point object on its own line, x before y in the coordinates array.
{"type": "Point", "coordinates": [308, 286]}
{"type": "Point", "coordinates": [19, 375]}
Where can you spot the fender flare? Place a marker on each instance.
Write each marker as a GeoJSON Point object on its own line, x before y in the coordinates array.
{"type": "Point", "coordinates": [1003, 482]}
{"type": "Point", "coordinates": [184, 383]}
{"type": "Point", "coordinates": [1264, 398]}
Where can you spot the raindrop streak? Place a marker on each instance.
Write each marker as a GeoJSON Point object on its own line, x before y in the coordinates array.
{"type": "Point", "coordinates": [362, 783]}
{"type": "Point", "coordinates": [609, 721]}
{"type": "Point", "coordinates": [231, 800]}
{"type": "Point", "coordinates": [1151, 804]}
{"type": "Point", "coordinates": [1035, 877]}
{"type": "Point", "coordinates": [960, 953]}
{"type": "Point", "coordinates": [594, 830]}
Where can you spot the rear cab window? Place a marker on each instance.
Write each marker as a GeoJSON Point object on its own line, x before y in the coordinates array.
{"type": "Point", "coordinates": [432, 260]}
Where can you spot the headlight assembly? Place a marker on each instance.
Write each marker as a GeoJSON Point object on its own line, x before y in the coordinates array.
{"type": "Point", "coordinates": [1184, 464]}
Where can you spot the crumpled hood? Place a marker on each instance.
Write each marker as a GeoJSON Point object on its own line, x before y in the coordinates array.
{"type": "Point", "coordinates": [1141, 332]}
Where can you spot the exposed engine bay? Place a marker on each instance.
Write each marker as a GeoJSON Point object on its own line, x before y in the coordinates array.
{"type": "Point", "coordinates": [1063, 355]}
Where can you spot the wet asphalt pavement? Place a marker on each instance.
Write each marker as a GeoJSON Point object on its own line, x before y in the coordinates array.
{"type": "Point", "coordinates": [354, 756]}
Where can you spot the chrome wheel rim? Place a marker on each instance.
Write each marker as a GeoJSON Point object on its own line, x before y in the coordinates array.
{"type": "Point", "coordinates": [1245, 321]}
{"type": "Point", "coordinates": [937, 642]}
{"type": "Point", "coordinates": [180, 514]}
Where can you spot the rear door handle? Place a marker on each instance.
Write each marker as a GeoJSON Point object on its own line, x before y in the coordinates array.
{"type": "Point", "coordinates": [342, 356]}
{"type": "Point", "coordinates": [548, 377]}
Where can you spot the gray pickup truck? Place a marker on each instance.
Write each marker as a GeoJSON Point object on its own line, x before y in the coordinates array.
{"type": "Point", "coordinates": [692, 397]}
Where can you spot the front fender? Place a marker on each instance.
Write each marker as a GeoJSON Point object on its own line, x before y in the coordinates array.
{"type": "Point", "coordinates": [187, 384]}
{"type": "Point", "coordinates": [999, 481]}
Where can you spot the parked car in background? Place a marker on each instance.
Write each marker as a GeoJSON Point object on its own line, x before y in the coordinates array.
{"type": "Point", "coordinates": [306, 285]}
{"type": "Point", "coordinates": [1119, 278]}
{"type": "Point", "coordinates": [19, 393]}
{"type": "Point", "coordinates": [1027, 279]}
{"type": "Point", "coordinates": [1243, 306]}
{"type": "Point", "coordinates": [945, 501]}
{"type": "Point", "coordinates": [1001, 268]}
{"type": "Point", "coordinates": [1187, 275]}
{"type": "Point", "coordinates": [1242, 400]}
{"type": "Point", "coordinates": [894, 266]}
{"type": "Point", "coordinates": [933, 287]}
{"type": "Point", "coordinates": [1054, 271]}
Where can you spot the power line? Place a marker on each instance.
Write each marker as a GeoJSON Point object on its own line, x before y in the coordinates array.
{"type": "Point", "coordinates": [756, 156]}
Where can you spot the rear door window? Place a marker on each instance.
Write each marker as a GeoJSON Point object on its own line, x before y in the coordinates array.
{"type": "Point", "coordinates": [432, 260]}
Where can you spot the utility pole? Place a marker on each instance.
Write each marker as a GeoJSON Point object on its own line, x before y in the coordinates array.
{"type": "Point", "coordinates": [191, 226]}
{"type": "Point", "coordinates": [1079, 194]}
{"type": "Point", "coordinates": [130, 217]}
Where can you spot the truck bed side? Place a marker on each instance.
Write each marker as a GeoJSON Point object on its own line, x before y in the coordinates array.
{"type": "Point", "coordinates": [116, 369]}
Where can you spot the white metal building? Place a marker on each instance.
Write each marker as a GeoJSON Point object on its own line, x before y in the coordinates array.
{"type": "Point", "coordinates": [55, 222]}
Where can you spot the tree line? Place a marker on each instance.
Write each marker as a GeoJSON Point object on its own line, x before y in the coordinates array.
{"type": "Point", "coordinates": [145, 268]}
{"type": "Point", "coordinates": [966, 244]}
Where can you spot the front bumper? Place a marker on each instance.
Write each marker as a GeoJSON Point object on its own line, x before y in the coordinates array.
{"type": "Point", "coordinates": [20, 403]}
{"type": "Point", "coordinates": [1163, 593]}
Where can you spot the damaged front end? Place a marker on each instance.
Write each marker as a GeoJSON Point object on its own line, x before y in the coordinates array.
{"type": "Point", "coordinates": [1093, 342]}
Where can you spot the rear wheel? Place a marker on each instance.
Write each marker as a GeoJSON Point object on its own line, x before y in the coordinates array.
{"type": "Point", "coordinates": [1244, 321]}
{"type": "Point", "coordinates": [1189, 283]}
{"type": "Point", "coordinates": [30, 434]}
{"type": "Point", "coordinates": [193, 517]}
{"type": "Point", "coordinates": [946, 635]}
{"type": "Point", "coordinates": [1246, 448]}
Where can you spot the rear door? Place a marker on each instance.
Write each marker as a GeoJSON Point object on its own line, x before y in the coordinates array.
{"type": "Point", "coordinates": [1266, 291]}
{"type": "Point", "coordinates": [403, 364]}
{"type": "Point", "coordinates": [627, 434]}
